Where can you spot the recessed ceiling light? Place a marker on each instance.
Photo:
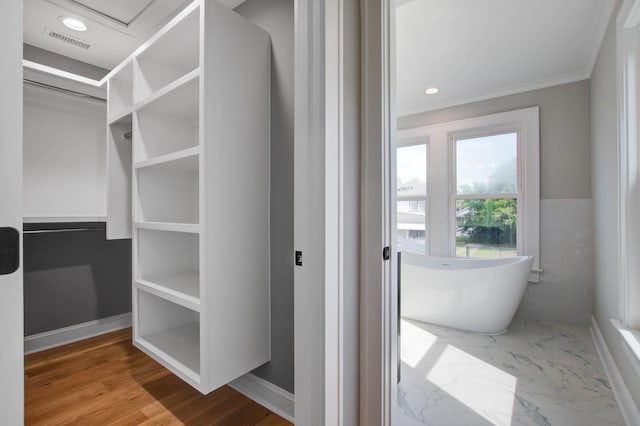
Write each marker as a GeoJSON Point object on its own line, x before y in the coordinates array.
{"type": "Point", "coordinates": [431, 91]}
{"type": "Point", "coordinates": [74, 23]}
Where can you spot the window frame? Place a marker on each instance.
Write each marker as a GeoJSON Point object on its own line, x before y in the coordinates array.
{"type": "Point", "coordinates": [440, 208]}
{"type": "Point", "coordinates": [465, 134]}
{"type": "Point", "coordinates": [525, 122]}
{"type": "Point", "coordinates": [404, 142]}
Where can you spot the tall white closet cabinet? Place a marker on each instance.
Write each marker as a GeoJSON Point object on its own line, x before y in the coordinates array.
{"type": "Point", "coordinates": [188, 179]}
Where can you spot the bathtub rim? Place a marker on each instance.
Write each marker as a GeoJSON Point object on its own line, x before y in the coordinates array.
{"type": "Point", "coordinates": [421, 262]}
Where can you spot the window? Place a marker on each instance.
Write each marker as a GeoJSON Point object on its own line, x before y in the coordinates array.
{"type": "Point", "coordinates": [478, 194]}
{"type": "Point", "coordinates": [486, 196]}
{"type": "Point", "coordinates": [412, 197]}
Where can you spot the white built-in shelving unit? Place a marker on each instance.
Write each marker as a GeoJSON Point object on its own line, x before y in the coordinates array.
{"type": "Point", "coordinates": [191, 187]}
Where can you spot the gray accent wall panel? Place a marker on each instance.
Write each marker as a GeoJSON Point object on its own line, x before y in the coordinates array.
{"type": "Point", "coordinates": [73, 277]}
{"type": "Point", "coordinates": [277, 18]}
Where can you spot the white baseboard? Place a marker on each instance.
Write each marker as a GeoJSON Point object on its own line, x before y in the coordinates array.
{"type": "Point", "coordinates": [626, 403]}
{"type": "Point", "coordinates": [74, 333]}
{"type": "Point", "coordinates": [266, 394]}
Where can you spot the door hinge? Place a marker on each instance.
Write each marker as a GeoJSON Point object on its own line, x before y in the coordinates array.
{"type": "Point", "coordinates": [298, 258]}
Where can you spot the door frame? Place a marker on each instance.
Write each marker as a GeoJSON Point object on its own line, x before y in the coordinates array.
{"type": "Point", "coordinates": [327, 167]}
{"type": "Point", "coordinates": [326, 204]}
{"type": "Point", "coordinates": [11, 302]}
{"type": "Point", "coordinates": [379, 298]}
{"type": "Point", "coordinates": [327, 163]}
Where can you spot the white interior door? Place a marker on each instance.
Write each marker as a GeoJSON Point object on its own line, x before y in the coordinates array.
{"type": "Point", "coordinates": [11, 310]}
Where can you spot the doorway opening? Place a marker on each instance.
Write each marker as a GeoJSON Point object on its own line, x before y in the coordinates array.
{"type": "Point", "coordinates": [489, 208]}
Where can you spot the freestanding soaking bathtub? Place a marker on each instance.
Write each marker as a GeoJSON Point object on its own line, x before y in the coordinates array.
{"type": "Point", "coordinates": [468, 294]}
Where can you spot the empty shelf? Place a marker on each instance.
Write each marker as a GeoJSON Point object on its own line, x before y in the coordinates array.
{"type": "Point", "coordinates": [168, 123]}
{"type": "Point", "coordinates": [178, 347]}
{"type": "Point", "coordinates": [172, 160]}
{"type": "Point", "coordinates": [190, 78]}
{"type": "Point", "coordinates": [168, 192]}
{"type": "Point", "coordinates": [169, 332]}
{"type": "Point", "coordinates": [123, 118]}
{"type": "Point", "coordinates": [182, 288]}
{"type": "Point", "coordinates": [173, 54]}
{"type": "Point", "coordinates": [170, 227]}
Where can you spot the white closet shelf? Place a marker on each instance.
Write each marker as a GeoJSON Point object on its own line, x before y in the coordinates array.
{"type": "Point", "coordinates": [184, 81]}
{"type": "Point", "coordinates": [173, 52]}
{"type": "Point", "coordinates": [199, 114]}
{"type": "Point", "coordinates": [187, 228]}
{"type": "Point", "coordinates": [180, 288]}
{"type": "Point", "coordinates": [177, 348]}
{"type": "Point", "coordinates": [123, 117]}
{"type": "Point", "coordinates": [172, 159]}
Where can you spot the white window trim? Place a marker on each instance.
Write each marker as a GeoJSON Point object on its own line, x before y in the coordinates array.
{"type": "Point", "coordinates": [414, 141]}
{"type": "Point", "coordinates": [628, 37]}
{"type": "Point", "coordinates": [526, 123]}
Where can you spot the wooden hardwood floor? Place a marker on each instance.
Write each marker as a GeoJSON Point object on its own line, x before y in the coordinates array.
{"type": "Point", "coordinates": [107, 381]}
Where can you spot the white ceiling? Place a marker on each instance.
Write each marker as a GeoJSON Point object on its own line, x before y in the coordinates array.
{"type": "Point", "coordinates": [473, 50]}
{"type": "Point", "coordinates": [116, 27]}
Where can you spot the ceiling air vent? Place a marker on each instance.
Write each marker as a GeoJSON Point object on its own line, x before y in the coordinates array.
{"type": "Point", "coordinates": [68, 39]}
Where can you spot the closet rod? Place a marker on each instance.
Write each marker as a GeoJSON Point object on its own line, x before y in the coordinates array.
{"type": "Point", "coordinates": [46, 231]}
{"type": "Point", "coordinates": [60, 89]}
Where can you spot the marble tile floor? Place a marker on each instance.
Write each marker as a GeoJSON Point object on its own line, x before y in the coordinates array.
{"type": "Point", "coordinates": [538, 373]}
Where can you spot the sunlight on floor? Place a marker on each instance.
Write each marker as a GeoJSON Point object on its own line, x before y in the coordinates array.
{"type": "Point", "coordinates": [462, 379]}
{"type": "Point", "coordinates": [416, 342]}
{"type": "Point", "coordinates": [537, 374]}
{"type": "Point", "coordinates": [483, 388]}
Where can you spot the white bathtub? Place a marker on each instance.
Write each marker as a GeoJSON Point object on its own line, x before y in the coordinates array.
{"type": "Point", "coordinates": [469, 294]}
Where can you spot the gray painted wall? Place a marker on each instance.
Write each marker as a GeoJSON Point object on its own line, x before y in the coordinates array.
{"type": "Point", "coordinates": [45, 57]}
{"type": "Point", "coordinates": [565, 292]}
{"type": "Point", "coordinates": [565, 159]}
{"type": "Point", "coordinates": [605, 189]}
{"type": "Point", "coordinates": [73, 277]}
{"type": "Point", "coordinates": [277, 18]}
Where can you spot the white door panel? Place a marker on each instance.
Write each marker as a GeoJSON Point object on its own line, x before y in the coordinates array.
{"type": "Point", "coordinates": [11, 310]}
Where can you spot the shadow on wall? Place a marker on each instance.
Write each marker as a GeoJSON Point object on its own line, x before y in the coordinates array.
{"type": "Point", "coordinates": [277, 18]}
